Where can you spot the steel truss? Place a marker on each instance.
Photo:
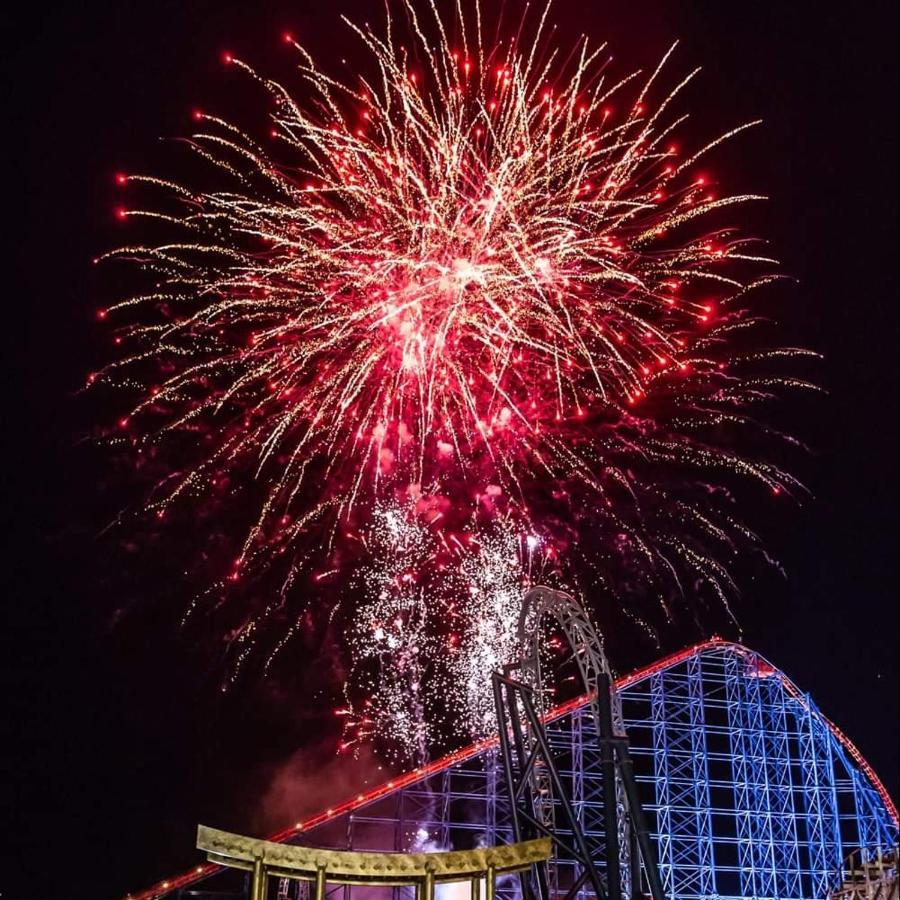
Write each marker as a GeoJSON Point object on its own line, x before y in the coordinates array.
{"type": "Point", "coordinates": [526, 753]}
{"type": "Point", "coordinates": [586, 646]}
{"type": "Point", "coordinates": [755, 795]}
{"type": "Point", "coordinates": [682, 783]}
{"type": "Point", "coordinates": [532, 775]}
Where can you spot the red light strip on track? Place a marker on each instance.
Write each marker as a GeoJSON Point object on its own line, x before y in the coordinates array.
{"type": "Point", "coordinates": [466, 753]}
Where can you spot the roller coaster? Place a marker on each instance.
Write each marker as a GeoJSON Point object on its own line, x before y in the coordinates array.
{"type": "Point", "coordinates": [742, 787]}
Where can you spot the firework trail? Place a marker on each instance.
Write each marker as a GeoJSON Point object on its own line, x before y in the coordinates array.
{"type": "Point", "coordinates": [434, 612]}
{"type": "Point", "coordinates": [392, 638]}
{"type": "Point", "coordinates": [483, 275]}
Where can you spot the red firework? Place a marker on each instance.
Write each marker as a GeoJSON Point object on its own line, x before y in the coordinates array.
{"type": "Point", "coordinates": [479, 279]}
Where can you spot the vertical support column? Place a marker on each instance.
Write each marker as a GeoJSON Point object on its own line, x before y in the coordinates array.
{"type": "Point", "coordinates": [761, 793]}
{"type": "Point", "coordinates": [578, 799]}
{"type": "Point", "coordinates": [682, 781]}
{"type": "Point", "coordinates": [345, 890]}
{"type": "Point", "coordinates": [741, 774]}
{"type": "Point", "coordinates": [320, 882]}
{"type": "Point", "coordinates": [260, 880]}
{"type": "Point", "coordinates": [490, 884]}
{"type": "Point", "coordinates": [639, 822]}
{"type": "Point", "coordinates": [491, 767]}
{"type": "Point", "coordinates": [779, 778]}
{"type": "Point", "coordinates": [820, 800]}
{"type": "Point", "coordinates": [867, 821]}
{"type": "Point", "coordinates": [591, 785]}
{"type": "Point", "coordinates": [634, 861]}
{"type": "Point", "coordinates": [610, 799]}
{"type": "Point", "coordinates": [443, 810]}
{"type": "Point", "coordinates": [623, 772]}
{"type": "Point", "coordinates": [661, 762]}
{"type": "Point", "coordinates": [398, 893]}
{"type": "Point", "coordinates": [756, 854]}
{"type": "Point", "coordinates": [702, 814]}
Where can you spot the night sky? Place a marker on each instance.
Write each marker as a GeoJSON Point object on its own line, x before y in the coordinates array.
{"type": "Point", "coordinates": [116, 737]}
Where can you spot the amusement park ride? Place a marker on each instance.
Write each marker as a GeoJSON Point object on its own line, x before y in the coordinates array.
{"type": "Point", "coordinates": [532, 777]}
{"type": "Point", "coordinates": [708, 775]}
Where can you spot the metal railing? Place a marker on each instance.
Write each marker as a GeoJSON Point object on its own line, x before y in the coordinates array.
{"type": "Point", "coordinates": [422, 871]}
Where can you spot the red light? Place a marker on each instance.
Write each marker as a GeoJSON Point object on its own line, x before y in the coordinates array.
{"type": "Point", "coordinates": [102, 314]}
{"type": "Point", "coordinates": [121, 179]}
{"type": "Point", "coordinates": [287, 37]}
{"type": "Point", "coordinates": [121, 212]}
{"type": "Point", "coordinates": [227, 58]}
{"type": "Point", "coordinates": [197, 115]}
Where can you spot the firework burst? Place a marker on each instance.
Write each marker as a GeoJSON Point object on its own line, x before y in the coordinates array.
{"type": "Point", "coordinates": [479, 276]}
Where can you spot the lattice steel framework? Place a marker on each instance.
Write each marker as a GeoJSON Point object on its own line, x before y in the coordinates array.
{"type": "Point", "coordinates": [749, 790]}
{"type": "Point", "coordinates": [681, 778]}
{"type": "Point", "coordinates": [627, 849]}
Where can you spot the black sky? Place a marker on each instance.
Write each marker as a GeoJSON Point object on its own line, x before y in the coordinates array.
{"type": "Point", "coordinates": [117, 741]}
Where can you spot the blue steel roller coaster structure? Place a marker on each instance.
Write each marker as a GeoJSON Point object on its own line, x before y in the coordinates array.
{"type": "Point", "coordinates": [749, 790]}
